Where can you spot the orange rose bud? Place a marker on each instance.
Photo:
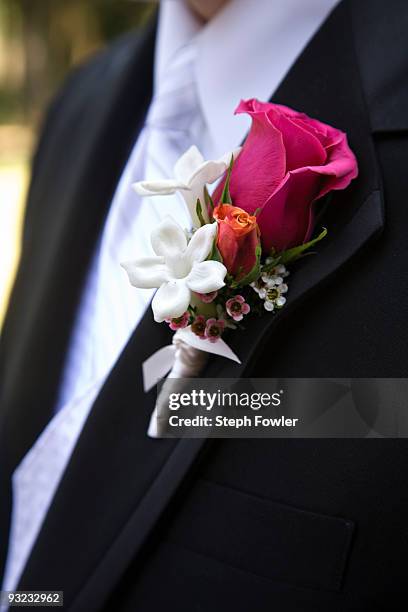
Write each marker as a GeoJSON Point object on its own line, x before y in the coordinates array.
{"type": "Point", "coordinates": [238, 238]}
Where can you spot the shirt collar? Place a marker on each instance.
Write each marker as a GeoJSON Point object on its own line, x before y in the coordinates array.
{"type": "Point", "coordinates": [244, 52]}
{"type": "Point", "coordinates": [177, 27]}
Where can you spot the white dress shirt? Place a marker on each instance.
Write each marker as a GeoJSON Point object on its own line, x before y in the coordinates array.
{"type": "Point", "coordinates": [262, 38]}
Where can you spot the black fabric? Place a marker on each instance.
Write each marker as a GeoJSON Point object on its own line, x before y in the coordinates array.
{"type": "Point", "coordinates": [382, 56]}
{"type": "Point", "coordinates": [266, 532]}
{"type": "Point", "coordinates": [191, 525]}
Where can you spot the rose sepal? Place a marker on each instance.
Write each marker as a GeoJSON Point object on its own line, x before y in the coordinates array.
{"type": "Point", "coordinates": [291, 255]}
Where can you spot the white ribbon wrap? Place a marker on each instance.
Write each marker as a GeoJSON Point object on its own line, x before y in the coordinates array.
{"type": "Point", "coordinates": [184, 358]}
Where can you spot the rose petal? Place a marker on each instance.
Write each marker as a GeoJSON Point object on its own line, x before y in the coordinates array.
{"type": "Point", "coordinates": [227, 245]}
{"type": "Point", "coordinates": [201, 243]}
{"type": "Point", "coordinates": [206, 276]}
{"type": "Point", "coordinates": [313, 126]}
{"type": "Point", "coordinates": [261, 164]}
{"type": "Point", "coordinates": [168, 238]}
{"type": "Point", "coordinates": [341, 167]}
{"type": "Point", "coordinates": [146, 272]}
{"type": "Point", "coordinates": [286, 220]}
{"type": "Point", "coordinates": [302, 147]}
{"type": "Point", "coordinates": [170, 301]}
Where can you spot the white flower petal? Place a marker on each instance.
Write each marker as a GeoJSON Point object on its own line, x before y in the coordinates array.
{"type": "Point", "coordinates": [168, 238]}
{"type": "Point", "coordinates": [187, 164]}
{"type": "Point", "coordinates": [206, 276]}
{"type": "Point", "coordinates": [210, 171]}
{"type": "Point", "coordinates": [227, 156]}
{"type": "Point", "coordinates": [171, 300]}
{"type": "Point", "coordinates": [162, 187]}
{"type": "Point", "coordinates": [201, 243]}
{"type": "Point", "coordinates": [178, 265]}
{"type": "Point", "coordinates": [146, 272]}
{"type": "Point", "coordinates": [192, 174]}
{"type": "Point", "coordinates": [190, 198]}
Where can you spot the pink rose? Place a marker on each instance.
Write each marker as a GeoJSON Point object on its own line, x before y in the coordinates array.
{"type": "Point", "coordinates": [287, 162]}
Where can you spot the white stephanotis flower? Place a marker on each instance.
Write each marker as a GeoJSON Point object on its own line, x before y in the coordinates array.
{"type": "Point", "coordinates": [177, 268]}
{"type": "Point", "coordinates": [191, 174]}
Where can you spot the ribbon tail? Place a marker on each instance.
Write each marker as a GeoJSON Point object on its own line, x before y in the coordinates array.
{"type": "Point", "coordinates": [219, 347]}
{"type": "Point", "coordinates": [153, 430]}
{"type": "Point", "coordinates": [157, 366]}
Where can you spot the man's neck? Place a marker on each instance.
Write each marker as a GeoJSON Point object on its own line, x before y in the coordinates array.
{"type": "Point", "coordinates": [206, 9]}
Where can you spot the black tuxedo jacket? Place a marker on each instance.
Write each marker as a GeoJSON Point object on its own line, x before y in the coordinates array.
{"type": "Point", "coordinates": [193, 525]}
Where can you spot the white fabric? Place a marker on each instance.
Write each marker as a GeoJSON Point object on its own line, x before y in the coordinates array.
{"type": "Point", "coordinates": [241, 53]}
{"type": "Point", "coordinates": [36, 479]}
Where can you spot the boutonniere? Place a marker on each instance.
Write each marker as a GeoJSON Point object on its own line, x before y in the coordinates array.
{"type": "Point", "coordinates": [235, 261]}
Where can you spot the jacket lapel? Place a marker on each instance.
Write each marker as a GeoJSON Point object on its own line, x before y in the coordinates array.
{"type": "Point", "coordinates": [119, 482]}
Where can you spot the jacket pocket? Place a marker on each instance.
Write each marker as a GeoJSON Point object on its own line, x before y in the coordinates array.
{"type": "Point", "coordinates": [263, 537]}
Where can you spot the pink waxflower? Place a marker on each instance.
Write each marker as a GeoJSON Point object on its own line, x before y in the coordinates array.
{"type": "Point", "coordinates": [179, 322]}
{"type": "Point", "coordinates": [207, 298]}
{"type": "Point", "coordinates": [214, 329]}
{"type": "Point", "coordinates": [237, 307]}
{"type": "Point", "coordinates": [198, 326]}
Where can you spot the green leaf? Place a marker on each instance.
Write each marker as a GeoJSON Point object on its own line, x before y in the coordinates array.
{"type": "Point", "coordinates": [253, 274]}
{"type": "Point", "coordinates": [229, 280]}
{"type": "Point", "coordinates": [215, 254]}
{"type": "Point", "coordinates": [226, 196]}
{"type": "Point", "coordinates": [298, 251]}
{"type": "Point", "coordinates": [291, 255]}
{"type": "Point", "coordinates": [269, 266]}
{"type": "Point", "coordinates": [199, 212]}
{"type": "Point", "coordinates": [208, 199]}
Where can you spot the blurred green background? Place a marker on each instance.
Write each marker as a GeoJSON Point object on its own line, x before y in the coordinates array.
{"type": "Point", "coordinates": [40, 41]}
